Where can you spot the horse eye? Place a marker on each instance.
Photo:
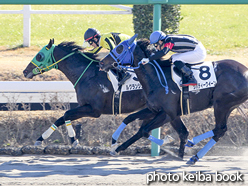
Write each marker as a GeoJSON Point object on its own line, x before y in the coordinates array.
{"type": "Point", "coordinates": [119, 49]}
{"type": "Point", "coordinates": [40, 57]}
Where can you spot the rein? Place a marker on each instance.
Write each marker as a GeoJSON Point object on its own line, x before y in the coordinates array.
{"type": "Point", "coordinates": [156, 67]}
{"type": "Point", "coordinates": [92, 60]}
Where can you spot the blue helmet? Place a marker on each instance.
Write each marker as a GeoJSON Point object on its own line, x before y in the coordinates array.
{"type": "Point", "coordinates": [156, 36]}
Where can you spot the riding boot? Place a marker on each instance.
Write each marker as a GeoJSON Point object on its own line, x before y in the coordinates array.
{"type": "Point", "coordinates": [187, 72]}
{"type": "Point", "coordinates": [125, 77]}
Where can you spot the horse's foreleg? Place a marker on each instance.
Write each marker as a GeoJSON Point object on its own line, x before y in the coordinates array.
{"type": "Point", "coordinates": [49, 131]}
{"type": "Point", "coordinates": [145, 113]}
{"type": "Point", "coordinates": [70, 115]}
{"type": "Point", "coordinates": [73, 114]}
{"type": "Point", "coordinates": [130, 141]}
{"type": "Point", "coordinates": [144, 130]}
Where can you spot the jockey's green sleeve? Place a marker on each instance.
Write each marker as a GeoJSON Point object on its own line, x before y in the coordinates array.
{"type": "Point", "coordinates": [109, 41]}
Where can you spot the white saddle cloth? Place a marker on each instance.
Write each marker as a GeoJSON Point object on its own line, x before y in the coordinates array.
{"type": "Point", "coordinates": [204, 74]}
{"type": "Point", "coordinates": [131, 84]}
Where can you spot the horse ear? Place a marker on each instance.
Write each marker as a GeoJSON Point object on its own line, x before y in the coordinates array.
{"type": "Point", "coordinates": [131, 40]}
{"type": "Point", "coordinates": [51, 42]}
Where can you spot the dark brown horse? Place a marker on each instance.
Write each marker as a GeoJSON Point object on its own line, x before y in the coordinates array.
{"type": "Point", "coordinates": [93, 88]}
{"type": "Point", "coordinates": [230, 91]}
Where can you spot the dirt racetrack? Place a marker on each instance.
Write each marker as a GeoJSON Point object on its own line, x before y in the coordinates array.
{"type": "Point", "coordinates": [122, 170]}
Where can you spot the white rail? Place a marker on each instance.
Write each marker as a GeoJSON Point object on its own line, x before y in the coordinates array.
{"type": "Point", "coordinates": [27, 12]}
{"type": "Point", "coordinates": [36, 91]}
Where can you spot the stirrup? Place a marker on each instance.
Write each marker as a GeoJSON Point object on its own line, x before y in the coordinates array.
{"type": "Point", "coordinates": [188, 84]}
{"type": "Point", "coordinates": [191, 81]}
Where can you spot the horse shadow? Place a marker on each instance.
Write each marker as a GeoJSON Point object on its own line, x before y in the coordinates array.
{"type": "Point", "coordinates": [85, 166]}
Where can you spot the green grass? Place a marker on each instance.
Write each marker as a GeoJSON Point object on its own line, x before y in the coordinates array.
{"type": "Point", "coordinates": [219, 27]}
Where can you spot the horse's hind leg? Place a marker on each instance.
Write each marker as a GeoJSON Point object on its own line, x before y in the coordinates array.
{"type": "Point", "coordinates": [183, 133]}
{"type": "Point", "coordinates": [70, 115]}
{"type": "Point", "coordinates": [222, 110]}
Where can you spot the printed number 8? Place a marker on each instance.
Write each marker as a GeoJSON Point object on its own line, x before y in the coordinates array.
{"type": "Point", "coordinates": [204, 72]}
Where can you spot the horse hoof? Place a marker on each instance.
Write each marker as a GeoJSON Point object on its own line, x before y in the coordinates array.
{"type": "Point", "coordinates": [192, 160]}
{"type": "Point", "coordinates": [114, 147]}
{"type": "Point", "coordinates": [167, 139]}
{"type": "Point", "coordinates": [75, 144]}
{"type": "Point", "coordinates": [114, 153]}
{"type": "Point", "coordinates": [38, 143]}
{"type": "Point", "coordinates": [189, 143]}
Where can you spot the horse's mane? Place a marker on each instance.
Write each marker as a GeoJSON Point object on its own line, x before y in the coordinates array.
{"type": "Point", "coordinates": [145, 46]}
{"type": "Point", "coordinates": [148, 49]}
{"type": "Point", "coordinates": [71, 46]}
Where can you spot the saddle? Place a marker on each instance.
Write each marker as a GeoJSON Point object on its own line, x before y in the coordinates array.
{"type": "Point", "coordinates": [205, 76]}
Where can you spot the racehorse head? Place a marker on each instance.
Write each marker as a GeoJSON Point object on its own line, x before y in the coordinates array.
{"type": "Point", "coordinates": [121, 55]}
{"type": "Point", "coordinates": [42, 62]}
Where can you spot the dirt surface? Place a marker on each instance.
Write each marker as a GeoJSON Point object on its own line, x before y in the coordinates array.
{"type": "Point", "coordinates": [123, 170]}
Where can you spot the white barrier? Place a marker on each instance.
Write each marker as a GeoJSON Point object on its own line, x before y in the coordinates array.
{"type": "Point", "coordinates": [36, 86]}
{"type": "Point", "coordinates": [37, 92]}
{"type": "Point", "coordinates": [27, 12]}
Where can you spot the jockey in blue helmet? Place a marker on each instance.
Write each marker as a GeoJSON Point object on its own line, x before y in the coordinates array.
{"type": "Point", "coordinates": [187, 50]}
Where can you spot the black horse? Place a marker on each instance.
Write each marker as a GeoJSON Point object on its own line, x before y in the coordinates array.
{"type": "Point", "coordinates": [93, 88]}
{"type": "Point", "coordinates": [230, 91]}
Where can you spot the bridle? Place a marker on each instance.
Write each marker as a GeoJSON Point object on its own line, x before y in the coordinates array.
{"type": "Point", "coordinates": [50, 62]}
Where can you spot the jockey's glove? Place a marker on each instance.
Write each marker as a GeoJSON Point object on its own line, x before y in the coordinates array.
{"type": "Point", "coordinates": [145, 61]}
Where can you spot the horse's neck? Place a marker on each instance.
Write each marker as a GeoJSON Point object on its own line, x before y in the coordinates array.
{"type": "Point", "coordinates": [72, 69]}
{"type": "Point", "coordinates": [147, 78]}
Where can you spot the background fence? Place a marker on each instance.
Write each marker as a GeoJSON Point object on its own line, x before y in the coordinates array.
{"type": "Point", "coordinates": [37, 95]}
{"type": "Point", "coordinates": [27, 11]}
